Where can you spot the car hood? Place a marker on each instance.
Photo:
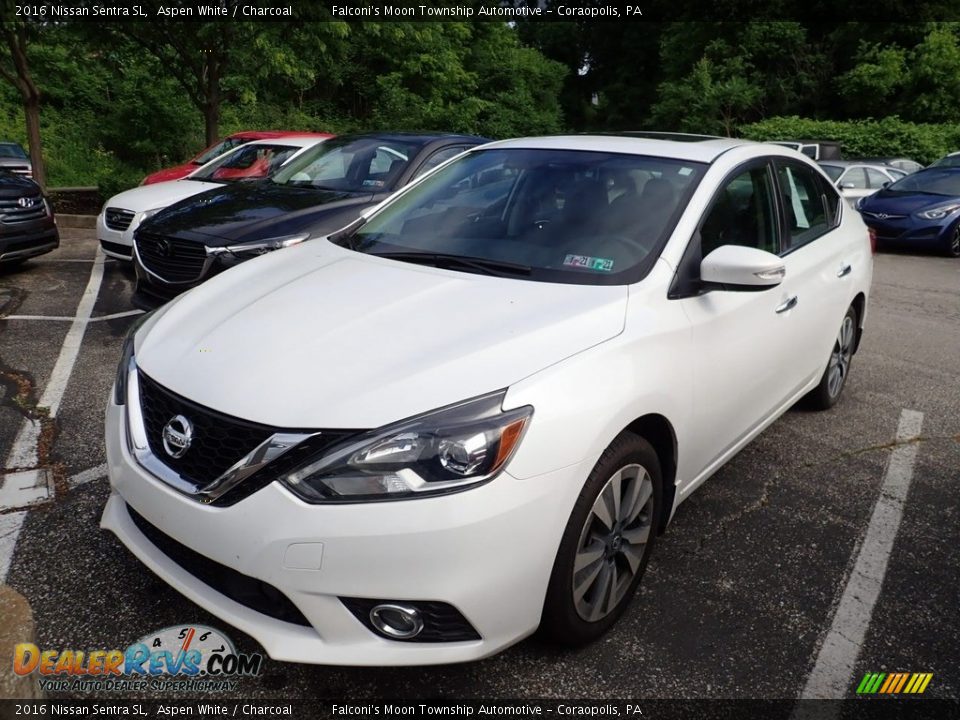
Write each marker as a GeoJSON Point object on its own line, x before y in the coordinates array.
{"type": "Point", "coordinates": [316, 336]}
{"type": "Point", "coordinates": [12, 185]}
{"type": "Point", "coordinates": [896, 203]}
{"type": "Point", "coordinates": [158, 195]}
{"type": "Point", "coordinates": [252, 211]}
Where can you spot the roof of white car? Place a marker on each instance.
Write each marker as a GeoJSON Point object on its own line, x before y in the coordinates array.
{"type": "Point", "coordinates": [695, 148]}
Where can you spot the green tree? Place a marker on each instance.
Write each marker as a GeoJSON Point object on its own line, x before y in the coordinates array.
{"type": "Point", "coordinates": [15, 69]}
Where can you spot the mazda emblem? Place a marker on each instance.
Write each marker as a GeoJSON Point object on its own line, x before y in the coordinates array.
{"type": "Point", "coordinates": [882, 216]}
{"type": "Point", "coordinates": [177, 436]}
{"type": "Point", "coordinates": [163, 247]}
{"type": "Point", "coordinates": [26, 202]}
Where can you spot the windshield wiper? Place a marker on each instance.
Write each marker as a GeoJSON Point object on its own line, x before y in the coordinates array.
{"type": "Point", "coordinates": [498, 268]}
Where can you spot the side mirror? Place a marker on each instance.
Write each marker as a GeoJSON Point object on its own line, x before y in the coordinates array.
{"type": "Point", "coordinates": [847, 186]}
{"type": "Point", "coordinates": [886, 184]}
{"type": "Point", "coordinates": [742, 268]}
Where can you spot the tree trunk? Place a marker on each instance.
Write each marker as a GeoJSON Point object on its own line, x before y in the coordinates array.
{"type": "Point", "coordinates": [31, 110]}
{"type": "Point", "coordinates": [211, 105]}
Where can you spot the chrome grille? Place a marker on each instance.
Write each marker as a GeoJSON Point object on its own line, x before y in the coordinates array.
{"type": "Point", "coordinates": [117, 219]}
{"type": "Point", "coordinates": [171, 259]}
{"type": "Point", "coordinates": [13, 210]}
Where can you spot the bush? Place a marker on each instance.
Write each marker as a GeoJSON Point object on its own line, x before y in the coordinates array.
{"type": "Point", "coordinates": [884, 137]}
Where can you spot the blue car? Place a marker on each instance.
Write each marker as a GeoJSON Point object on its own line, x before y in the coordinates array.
{"type": "Point", "coordinates": [921, 210]}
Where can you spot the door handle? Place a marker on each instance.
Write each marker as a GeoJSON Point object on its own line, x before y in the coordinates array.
{"type": "Point", "coordinates": [788, 305]}
{"type": "Point", "coordinates": [844, 271]}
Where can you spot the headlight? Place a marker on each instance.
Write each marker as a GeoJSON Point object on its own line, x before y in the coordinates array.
{"type": "Point", "coordinates": [859, 203]}
{"type": "Point", "coordinates": [442, 451]}
{"type": "Point", "coordinates": [47, 206]}
{"type": "Point", "coordinates": [259, 248]}
{"type": "Point", "coordinates": [126, 355]}
{"type": "Point", "coordinates": [938, 213]}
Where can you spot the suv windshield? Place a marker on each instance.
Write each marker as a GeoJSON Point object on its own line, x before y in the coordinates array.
{"type": "Point", "coordinates": [12, 150]}
{"type": "Point", "coordinates": [592, 218]}
{"type": "Point", "coordinates": [247, 161]}
{"type": "Point", "coordinates": [938, 181]}
{"type": "Point", "coordinates": [352, 165]}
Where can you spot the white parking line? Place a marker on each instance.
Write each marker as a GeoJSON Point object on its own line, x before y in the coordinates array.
{"type": "Point", "coordinates": [23, 453]}
{"type": "Point", "coordinates": [10, 525]}
{"type": "Point", "coordinates": [66, 318]}
{"type": "Point", "coordinates": [833, 672]}
{"type": "Point", "coordinates": [82, 478]}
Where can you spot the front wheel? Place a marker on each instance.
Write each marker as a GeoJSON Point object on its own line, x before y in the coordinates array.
{"type": "Point", "coordinates": [606, 544]}
{"type": "Point", "coordinates": [834, 379]}
{"type": "Point", "coordinates": [953, 244]}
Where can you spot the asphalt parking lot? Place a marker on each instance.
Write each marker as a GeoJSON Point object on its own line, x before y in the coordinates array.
{"type": "Point", "coordinates": [776, 573]}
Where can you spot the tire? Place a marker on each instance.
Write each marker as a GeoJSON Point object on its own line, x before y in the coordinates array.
{"type": "Point", "coordinates": [834, 379]}
{"type": "Point", "coordinates": [582, 603]}
{"type": "Point", "coordinates": [953, 244]}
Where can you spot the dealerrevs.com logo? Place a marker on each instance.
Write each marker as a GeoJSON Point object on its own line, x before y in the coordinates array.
{"type": "Point", "coordinates": [181, 657]}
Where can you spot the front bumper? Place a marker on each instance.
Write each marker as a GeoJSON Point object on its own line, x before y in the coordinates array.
{"type": "Point", "coordinates": [35, 239]}
{"type": "Point", "coordinates": [909, 232]}
{"type": "Point", "coordinates": [488, 552]}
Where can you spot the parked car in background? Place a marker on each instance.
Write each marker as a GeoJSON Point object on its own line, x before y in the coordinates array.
{"type": "Point", "coordinates": [920, 211]}
{"type": "Point", "coordinates": [27, 224]}
{"type": "Point", "coordinates": [122, 214]}
{"type": "Point", "coordinates": [900, 163]}
{"type": "Point", "coordinates": [856, 179]}
{"type": "Point", "coordinates": [228, 143]}
{"type": "Point", "coordinates": [14, 159]}
{"type": "Point", "coordinates": [814, 149]}
{"type": "Point", "coordinates": [322, 190]}
{"type": "Point", "coordinates": [951, 160]}
{"type": "Point", "coordinates": [482, 404]}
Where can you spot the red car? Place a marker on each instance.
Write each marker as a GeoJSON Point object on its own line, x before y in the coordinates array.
{"type": "Point", "coordinates": [228, 143]}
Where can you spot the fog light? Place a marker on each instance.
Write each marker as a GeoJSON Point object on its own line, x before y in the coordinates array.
{"type": "Point", "coordinates": [397, 621]}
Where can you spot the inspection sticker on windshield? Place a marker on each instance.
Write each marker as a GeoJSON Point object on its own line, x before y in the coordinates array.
{"type": "Point", "coordinates": [590, 263]}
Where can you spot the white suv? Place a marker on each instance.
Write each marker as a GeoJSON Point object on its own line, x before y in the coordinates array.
{"type": "Point", "coordinates": [469, 414]}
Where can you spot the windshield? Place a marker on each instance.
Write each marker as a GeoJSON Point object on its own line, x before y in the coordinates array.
{"type": "Point", "coordinates": [12, 150]}
{"type": "Point", "coordinates": [833, 171]}
{"type": "Point", "coordinates": [571, 216]}
{"type": "Point", "coordinates": [948, 161]}
{"type": "Point", "coordinates": [353, 165]}
{"type": "Point", "coordinates": [219, 149]}
{"type": "Point", "coordinates": [246, 162]}
{"type": "Point", "coordinates": [938, 181]}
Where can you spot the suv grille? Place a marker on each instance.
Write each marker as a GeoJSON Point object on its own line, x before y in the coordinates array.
{"type": "Point", "coordinates": [173, 260]}
{"type": "Point", "coordinates": [11, 210]}
{"type": "Point", "coordinates": [117, 219]}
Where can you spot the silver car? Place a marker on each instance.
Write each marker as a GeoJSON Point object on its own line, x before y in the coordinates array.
{"type": "Point", "coordinates": [857, 179]}
{"type": "Point", "coordinates": [13, 158]}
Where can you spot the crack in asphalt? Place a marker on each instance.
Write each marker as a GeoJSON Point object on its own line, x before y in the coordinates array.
{"type": "Point", "coordinates": [720, 527]}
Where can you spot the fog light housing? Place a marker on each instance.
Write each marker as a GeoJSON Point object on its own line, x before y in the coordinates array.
{"type": "Point", "coordinates": [398, 622]}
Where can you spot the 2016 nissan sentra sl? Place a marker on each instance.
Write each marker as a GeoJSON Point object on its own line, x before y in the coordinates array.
{"type": "Point", "coordinates": [470, 413]}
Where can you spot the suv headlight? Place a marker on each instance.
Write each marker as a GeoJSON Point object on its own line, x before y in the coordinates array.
{"type": "Point", "coordinates": [439, 452]}
{"type": "Point", "coordinates": [938, 213]}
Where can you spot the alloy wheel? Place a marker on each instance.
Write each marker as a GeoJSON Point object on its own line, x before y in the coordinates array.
{"type": "Point", "coordinates": [954, 248]}
{"type": "Point", "coordinates": [612, 543]}
{"type": "Point", "coordinates": [840, 357]}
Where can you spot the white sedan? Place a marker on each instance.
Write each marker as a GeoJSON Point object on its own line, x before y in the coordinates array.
{"type": "Point", "coordinates": [470, 413]}
{"type": "Point", "coordinates": [122, 214]}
